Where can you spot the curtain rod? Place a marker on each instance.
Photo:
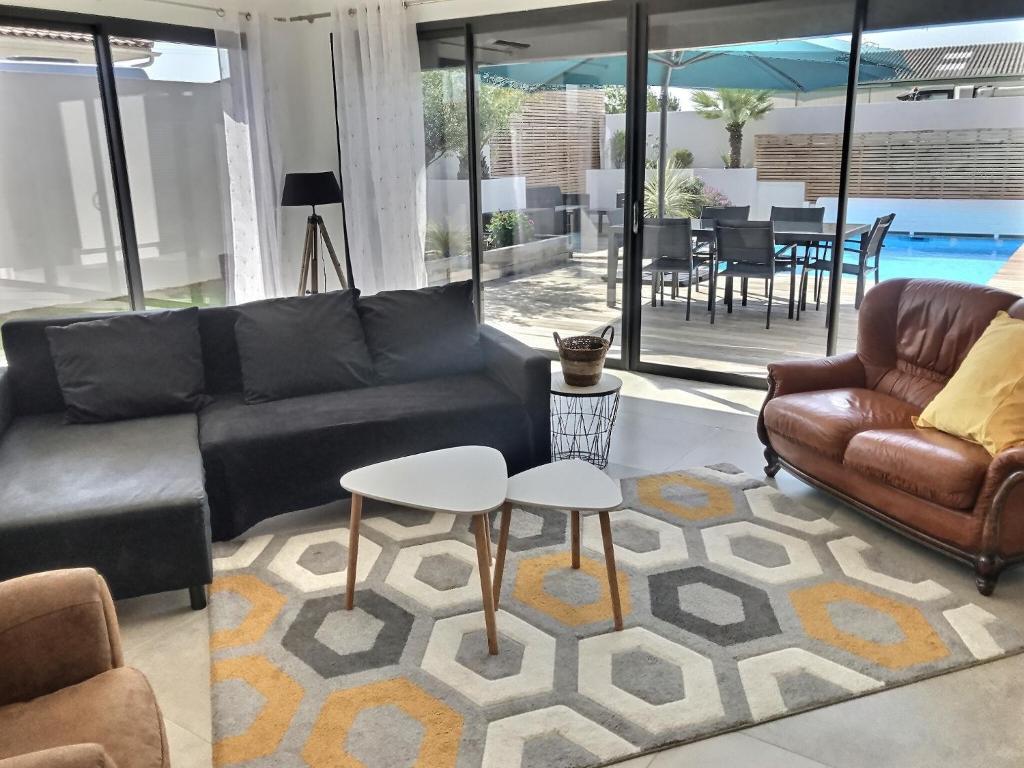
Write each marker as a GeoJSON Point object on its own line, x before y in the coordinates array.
{"type": "Point", "coordinates": [310, 17]}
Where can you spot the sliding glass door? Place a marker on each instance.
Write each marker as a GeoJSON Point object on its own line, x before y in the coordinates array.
{"type": "Point", "coordinates": [60, 252]}
{"type": "Point", "coordinates": [169, 99]}
{"type": "Point", "coordinates": [448, 244]}
{"type": "Point", "coordinates": [715, 181]}
{"type": "Point", "coordinates": [113, 149]}
{"type": "Point", "coordinates": [552, 175]}
{"type": "Point", "coordinates": [937, 165]}
{"type": "Point", "coordinates": [745, 125]}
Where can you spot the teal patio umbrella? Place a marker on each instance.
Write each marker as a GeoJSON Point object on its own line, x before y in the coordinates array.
{"type": "Point", "coordinates": [787, 65]}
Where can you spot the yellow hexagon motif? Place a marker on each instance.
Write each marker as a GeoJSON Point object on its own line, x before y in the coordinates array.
{"type": "Point", "coordinates": [442, 726]}
{"type": "Point", "coordinates": [920, 643]}
{"type": "Point", "coordinates": [651, 492]}
{"type": "Point", "coordinates": [265, 604]}
{"type": "Point", "coordinates": [530, 590]}
{"type": "Point", "coordinates": [283, 696]}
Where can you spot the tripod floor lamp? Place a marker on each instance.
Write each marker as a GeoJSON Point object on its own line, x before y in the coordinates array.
{"type": "Point", "coordinates": [314, 189]}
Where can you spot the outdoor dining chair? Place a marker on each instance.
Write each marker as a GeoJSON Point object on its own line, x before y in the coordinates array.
{"type": "Point", "coordinates": [746, 249]}
{"type": "Point", "coordinates": [668, 244]}
{"type": "Point", "coordinates": [798, 214]}
{"type": "Point", "coordinates": [869, 257]}
{"type": "Point", "coordinates": [706, 242]}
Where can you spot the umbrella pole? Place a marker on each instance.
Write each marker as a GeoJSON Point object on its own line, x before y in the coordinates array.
{"type": "Point", "coordinates": [662, 149]}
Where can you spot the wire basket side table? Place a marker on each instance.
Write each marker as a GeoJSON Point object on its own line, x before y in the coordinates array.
{"type": "Point", "coordinates": [582, 419]}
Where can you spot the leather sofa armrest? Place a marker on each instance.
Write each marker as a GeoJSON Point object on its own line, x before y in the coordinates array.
{"type": "Point", "coordinates": [72, 756]}
{"type": "Point", "coordinates": [1002, 498]}
{"type": "Point", "coordinates": [6, 403]}
{"type": "Point", "coordinates": [527, 373]}
{"type": "Point", "coordinates": [57, 629]}
{"type": "Point", "coordinates": [812, 375]}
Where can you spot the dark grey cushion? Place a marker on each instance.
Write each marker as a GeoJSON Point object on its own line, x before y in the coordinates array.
{"type": "Point", "coordinates": [6, 407]}
{"type": "Point", "coordinates": [422, 333]}
{"type": "Point", "coordinates": [302, 345]}
{"type": "Point", "coordinates": [125, 497]}
{"type": "Point", "coordinates": [129, 366]}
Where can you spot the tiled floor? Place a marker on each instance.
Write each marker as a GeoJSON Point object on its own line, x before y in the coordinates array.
{"type": "Point", "coordinates": [968, 718]}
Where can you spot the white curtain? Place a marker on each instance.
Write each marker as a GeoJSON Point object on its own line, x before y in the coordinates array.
{"type": "Point", "coordinates": [381, 117]}
{"type": "Point", "coordinates": [251, 189]}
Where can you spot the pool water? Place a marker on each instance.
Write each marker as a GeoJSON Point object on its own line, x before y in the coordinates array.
{"type": "Point", "coordinates": [964, 258]}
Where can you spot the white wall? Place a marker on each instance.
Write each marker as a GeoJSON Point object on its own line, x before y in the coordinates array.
{"type": "Point", "coordinates": [963, 217]}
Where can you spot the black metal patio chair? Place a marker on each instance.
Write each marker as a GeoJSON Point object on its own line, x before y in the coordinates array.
{"type": "Point", "coordinates": [747, 250]}
{"type": "Point", "coordinates": [668, 244]}
{"type": "Point", "coordinates": [798, 214]}
{"type": "Point", "coordinates": [869, 258]}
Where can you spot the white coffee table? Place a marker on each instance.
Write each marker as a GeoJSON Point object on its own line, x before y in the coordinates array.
{"type": "Point", "coordinates": [577, 487]}
{"type": "Point", "coordinates": [469, 481]}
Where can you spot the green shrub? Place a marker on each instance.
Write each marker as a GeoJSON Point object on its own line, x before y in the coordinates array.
{"type": "Point", "coordinates": [680, 159]}
{"type": "Point", "coordinates": [508, 228]}
{"type": "Point", "coordinates": [444, 241]}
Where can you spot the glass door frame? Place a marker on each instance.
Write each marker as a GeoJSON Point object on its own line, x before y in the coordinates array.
{"type": "Point", "coordinates": [636, 14]}
{"type": "Point", "coordinates": [102, 28]}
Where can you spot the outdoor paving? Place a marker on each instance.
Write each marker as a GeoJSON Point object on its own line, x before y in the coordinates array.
{"type": "Point", "coordinates": [572, 300]}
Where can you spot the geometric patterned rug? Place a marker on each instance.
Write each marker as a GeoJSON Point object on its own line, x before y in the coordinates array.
{"type": "Point", "coordinates": [740, 606]}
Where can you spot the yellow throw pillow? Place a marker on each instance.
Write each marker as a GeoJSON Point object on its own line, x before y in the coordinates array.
{"type": "Point", "coordinates": [984, 400]}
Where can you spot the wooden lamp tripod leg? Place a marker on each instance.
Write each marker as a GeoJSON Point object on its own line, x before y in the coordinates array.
{"type": "Point", "coordinates": [307, 245]}
{"type": "Point", "coordinates": [330, 251]}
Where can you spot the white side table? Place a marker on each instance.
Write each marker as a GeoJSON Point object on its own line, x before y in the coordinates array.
{"type": "Point", "coordinates": [468, 480]}
{"type": "Point", "coordinates": [582, 419]}
{"type": "Point", "coordinates": [576, 487]}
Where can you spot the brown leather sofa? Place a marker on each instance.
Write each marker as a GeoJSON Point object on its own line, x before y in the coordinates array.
{"type": "Point", "coordinates": [843, 424]}
{"type": "Point", "coordinates": [66, 698]}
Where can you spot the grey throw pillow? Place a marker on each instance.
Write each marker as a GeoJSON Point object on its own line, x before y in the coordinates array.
{"type": "Point", "coordinates": [301, 345]}
{"type": "Point", "coordinates": [129, 366]}
{"type": "Point", "coordinates": [425, 333]}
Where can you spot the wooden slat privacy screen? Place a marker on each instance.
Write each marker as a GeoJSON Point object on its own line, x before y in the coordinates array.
{"type": "Point", "coordinates": [978, 164]}
{"type": "Point", "coordinates": [554, 139]}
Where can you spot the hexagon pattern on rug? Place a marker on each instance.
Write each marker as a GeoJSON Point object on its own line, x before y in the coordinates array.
{"type": "Point", "coordinates": [739, 605]}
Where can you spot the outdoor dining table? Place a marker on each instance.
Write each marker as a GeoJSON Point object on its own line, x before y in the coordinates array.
{"type": "Point", "coordinates": [786, 233]}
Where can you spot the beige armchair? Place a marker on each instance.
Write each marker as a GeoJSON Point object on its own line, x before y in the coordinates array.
{"type": "Point", "coordinates": [66, 698]}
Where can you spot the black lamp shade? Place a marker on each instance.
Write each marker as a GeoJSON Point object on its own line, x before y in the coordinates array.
{"type": "Point", "coordinates": [311, 189]}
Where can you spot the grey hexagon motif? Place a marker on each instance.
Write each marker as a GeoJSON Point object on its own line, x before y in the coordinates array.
{"type": "Point", "coordinates": [337, 642]}
{"type": "Point", "coordinates": [532, 528]}
{"type": "Point", "coordinates": [712, 605]}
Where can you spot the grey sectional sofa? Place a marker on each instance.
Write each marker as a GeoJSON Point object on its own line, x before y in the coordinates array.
{"type": "Point", "coordinates": [140, 500]}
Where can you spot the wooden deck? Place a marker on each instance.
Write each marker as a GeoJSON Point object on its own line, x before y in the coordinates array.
{"type": "Point", "coordinates": [571, 300]}
{"type": "Point", "coordinates": [1010, 276]}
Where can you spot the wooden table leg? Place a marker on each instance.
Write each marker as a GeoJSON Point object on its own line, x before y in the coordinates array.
{"type": "Point", "coordinates": [484, 563]}
{"type": "Point", "coordinates": [353, 549]}
{"type": "Point", "coordinates": [609, 561]}
{"type": "Point", "coordinates": [487, 535]}
{"type": "Point", "coordinates": [575, 519]}
{"type": "Point", "coordinates": [499, 565]}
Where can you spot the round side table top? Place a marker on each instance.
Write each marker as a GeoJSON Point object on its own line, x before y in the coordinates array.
{"type": "Point", "coordinates": [606, 386]}
{"type": "Point", "coordinates": [468, 480]}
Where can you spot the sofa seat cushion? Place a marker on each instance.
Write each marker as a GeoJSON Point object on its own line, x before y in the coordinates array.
{"type": "Point", "coordinates": [825, 421]}
{"type": "Point", "coordinates": [289, 454]}
{"type": "Point", "coordinates": [124, 497]}
{"type": "Point", "coordinates": [924, 462]}
{"type": "Point", "coordinates": [115, 709]}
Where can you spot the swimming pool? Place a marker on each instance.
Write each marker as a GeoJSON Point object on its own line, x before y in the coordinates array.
{"type": "Point", "coordinates": [947, 257]}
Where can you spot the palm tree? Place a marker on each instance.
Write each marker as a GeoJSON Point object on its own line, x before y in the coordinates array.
{"type": "Point", "coordinates": [737, 106]}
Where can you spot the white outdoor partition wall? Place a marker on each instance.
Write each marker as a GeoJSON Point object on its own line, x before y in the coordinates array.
{"type": "Point", "coordinates": [447, 195]}
{"type": "Point", "coordinates": [960, 217]}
